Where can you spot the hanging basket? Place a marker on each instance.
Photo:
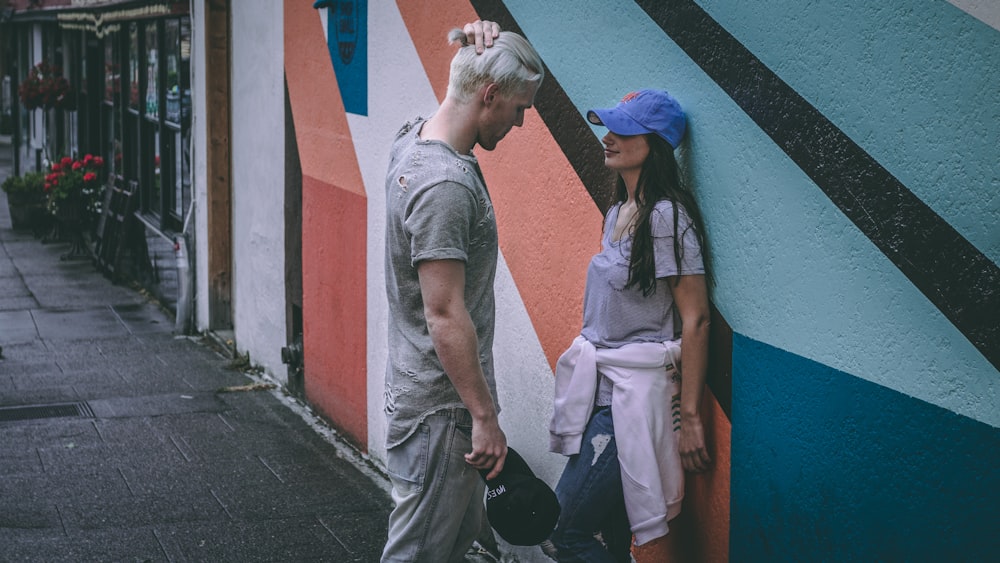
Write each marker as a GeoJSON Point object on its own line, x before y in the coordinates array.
{"type": "Point", "coordinates": [45, 88]}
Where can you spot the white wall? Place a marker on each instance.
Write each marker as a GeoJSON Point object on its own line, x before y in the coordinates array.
{"type": "Point", "coordinates": [257, 130]}
{"type": "Point", "coordinates": [258, 125]}
{"type": "Point", "coordinates": [199, 175]}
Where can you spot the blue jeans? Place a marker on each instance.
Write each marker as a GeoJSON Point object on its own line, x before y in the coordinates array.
{"type": "Point", "coordinates": [590, 493]}
{"type": "Point", "coordinates": [439, 497]}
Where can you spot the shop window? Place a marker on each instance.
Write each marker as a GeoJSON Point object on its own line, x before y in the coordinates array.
{"type": "Point", "coordinates": [176, 157]}
{"type": "Point", "coordinates": [133, 66]}
{"type": "Point", "coordinates": [111, 133]}
{"type": "Point", "coordinates": [69, 143]}
{"type": "Point", "coordinates": [112, 76]}
{"type": "Point", "coordinates": [145, 114]}
{"type": "Point", "coordinates": [152, 99]}
{"type": "Point", "coordinates": [172, 48]}
{"type": "Point", "coordinates": [151, 186]}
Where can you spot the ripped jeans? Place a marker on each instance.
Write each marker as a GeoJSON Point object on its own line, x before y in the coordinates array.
{"type": "Point", "coordinates": [590, 493]}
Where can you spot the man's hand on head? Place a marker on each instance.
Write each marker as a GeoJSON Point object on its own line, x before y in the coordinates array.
{"type": "Point", "coordinates": [482, 33]}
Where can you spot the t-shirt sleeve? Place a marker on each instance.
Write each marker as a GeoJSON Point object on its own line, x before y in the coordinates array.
{"type": "Point", "coordinates": [663, 242]}
{"type": "Point", "coordinates": [439, 222]}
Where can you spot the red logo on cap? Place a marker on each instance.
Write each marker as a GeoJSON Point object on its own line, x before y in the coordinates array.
{"type": "Point", "coordinates": [630, 96]}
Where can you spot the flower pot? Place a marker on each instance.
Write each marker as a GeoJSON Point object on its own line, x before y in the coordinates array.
{"type": "Point", "coordinates": [25, 210]}
{"type": "Point", "coordinates": [72, 219]}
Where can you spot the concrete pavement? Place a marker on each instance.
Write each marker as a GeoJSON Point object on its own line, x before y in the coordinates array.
{"type": "Point", "coordinates": [120, 441]}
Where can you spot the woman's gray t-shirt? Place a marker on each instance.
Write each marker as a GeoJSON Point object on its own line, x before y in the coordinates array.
{"type": "Point", "coordinates": [614, 316]}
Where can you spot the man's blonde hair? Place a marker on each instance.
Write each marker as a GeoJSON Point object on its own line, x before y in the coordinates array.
{"type": "Point", "coordinates": [512, 63]}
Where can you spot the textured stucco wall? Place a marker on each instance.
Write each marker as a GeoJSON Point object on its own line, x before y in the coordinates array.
{"type": "Point", "coordinates": [257, 144]}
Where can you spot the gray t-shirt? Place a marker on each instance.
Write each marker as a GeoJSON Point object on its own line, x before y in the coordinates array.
{"type": "Point", "coordinates": [614, 316]}
{"type": "Point", "coordinates": [437, 208]}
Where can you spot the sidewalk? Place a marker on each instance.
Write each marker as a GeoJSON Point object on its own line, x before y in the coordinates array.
{"type": "Point", "coordinates": [122, 442]}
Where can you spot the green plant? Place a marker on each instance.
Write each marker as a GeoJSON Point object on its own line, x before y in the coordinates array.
{"type": "Point", "coordinates": [26, 189]}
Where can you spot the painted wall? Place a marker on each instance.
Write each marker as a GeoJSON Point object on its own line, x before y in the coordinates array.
{"type": "Point", "coordinates": [844, 154]}
{"type": "Point", "coordinates": [258, 180]}
{"type": "Point", "coordinates": [258, 192]}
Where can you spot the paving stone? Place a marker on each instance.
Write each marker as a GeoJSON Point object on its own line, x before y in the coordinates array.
{"type": "Point", "coordinates": [170, 467]}
{"type": "Point", "coordinates": [291, 539]}
{"type": "Point", "coordinates": [127, 544]}
{"type": "Point", "coordinates": [48, 432]}
{"type": "Point", "coordinates": [65, 325]}
{"type": "Point", "coordinates": [17, 303]}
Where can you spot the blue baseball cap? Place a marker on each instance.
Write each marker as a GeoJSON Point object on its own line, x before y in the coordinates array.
{"type": "Point", "coordinates": [641, 112]}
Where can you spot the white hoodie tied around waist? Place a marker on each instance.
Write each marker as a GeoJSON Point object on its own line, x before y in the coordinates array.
{"type": "Point", "coordinates": [642, 408]}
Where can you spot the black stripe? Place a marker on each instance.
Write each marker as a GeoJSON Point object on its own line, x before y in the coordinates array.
{"type": "Point", "coordinates": [586, 155]}
{"type": "Point", "coordinates": [568, 127]}
{"type": "Point", "coordinates": [952, 273]}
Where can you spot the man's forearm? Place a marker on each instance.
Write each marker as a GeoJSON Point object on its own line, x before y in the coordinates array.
{"type": "Point", "coordinates": [457, 347]}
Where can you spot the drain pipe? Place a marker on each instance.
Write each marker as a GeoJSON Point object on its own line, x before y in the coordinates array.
{"type": "Point", "coordinates": [185, 279]}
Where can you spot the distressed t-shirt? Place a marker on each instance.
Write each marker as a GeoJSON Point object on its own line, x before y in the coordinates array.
{"type": "Point", "coordinates": [437, 208]}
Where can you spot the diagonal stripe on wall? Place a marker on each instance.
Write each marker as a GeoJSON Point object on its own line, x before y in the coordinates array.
{"type": "Point", "coordinates": [334, 220]}
{"type": "Point", "coordinates": [952, 273]}
{"type": "Point", "coordinates": [540, 212]}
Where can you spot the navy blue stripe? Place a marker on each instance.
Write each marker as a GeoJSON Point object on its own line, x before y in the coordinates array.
{"type": "Point", "coordinates": [831, 467]}
{"type": "Point", "coordinates": [951, 272]}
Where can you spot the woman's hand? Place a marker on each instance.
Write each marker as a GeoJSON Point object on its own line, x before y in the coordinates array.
{"type": "Point", "coordinates": [691, 299]}
{"type": "Point", "coordinates": [482, 33]}
{"type": "Point", "coordinates": [694, 453]}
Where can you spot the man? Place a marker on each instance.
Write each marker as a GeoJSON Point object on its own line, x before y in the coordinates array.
{"type": "Point", "coordinates": [441, 256]}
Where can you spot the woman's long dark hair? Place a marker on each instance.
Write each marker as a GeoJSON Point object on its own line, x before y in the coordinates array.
{"type": "Point", "coordinates": [659, 179]}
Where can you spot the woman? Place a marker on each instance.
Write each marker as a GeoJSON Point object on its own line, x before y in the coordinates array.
{"type": "Point", "coordinates": [646, 293]}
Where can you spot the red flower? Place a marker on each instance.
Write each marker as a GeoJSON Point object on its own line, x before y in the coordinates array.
{"type": "Point", "coordinates": [55, 168]}
{"type": "Point", "coordinates": [77, 165]}
{"type": "Point", "coordinates": [98, 161]}
{"type": "Point", "coordinates": [66, 161]}
{"type": "Point", "coordinates": [87, 158]}
{"type": "Point", "coordinates": [45, 87]}
{"type": "Point", "coordinates": [48, 186]}
{"type": "Point", "coordinates": [89, 177]}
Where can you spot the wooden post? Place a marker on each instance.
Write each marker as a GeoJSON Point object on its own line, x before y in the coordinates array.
{"type": "Point", "coordinates": [219, 163]}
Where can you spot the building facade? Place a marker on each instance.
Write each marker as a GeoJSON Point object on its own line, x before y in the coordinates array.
{"type": "Point", "coordinates": [844, 155]}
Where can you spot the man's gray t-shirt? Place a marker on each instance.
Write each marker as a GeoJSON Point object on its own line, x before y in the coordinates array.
{"type": "Point", "coordinates": [437, 208]}
{"type": "Point", "coordinates": [614, 316]}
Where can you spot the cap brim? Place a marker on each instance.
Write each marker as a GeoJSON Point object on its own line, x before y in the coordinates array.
{"type": "Point", "coordinates": [514, 465]}
{"type": "Point", "coordinates": [617, 121]}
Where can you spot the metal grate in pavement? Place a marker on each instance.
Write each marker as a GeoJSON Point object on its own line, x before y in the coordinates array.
{"type": "Point", "coordinates": [56, 410]}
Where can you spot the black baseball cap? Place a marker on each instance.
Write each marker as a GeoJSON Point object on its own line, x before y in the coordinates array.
{"type": "Point", "coordinates": [520, 507]}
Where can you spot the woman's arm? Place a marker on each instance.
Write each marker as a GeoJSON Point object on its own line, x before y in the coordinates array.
{"type": "Point", "coordinates": [691, 299]}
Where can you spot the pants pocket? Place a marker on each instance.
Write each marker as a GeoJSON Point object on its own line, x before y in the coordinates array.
{"type": "Point", "coordinates": [407, 462]}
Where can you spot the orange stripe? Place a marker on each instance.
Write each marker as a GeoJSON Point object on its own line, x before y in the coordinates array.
{"type": "Point", "coordinates": [549, 225]}
{"type": "Point", "coordinates": [706, 497]}
{"type": "Point", "coordinates": [701, 531]}
{"type": "Point", "coordinates": [334, 230]}
{"type": "Point", "coordinates": [326, 147]}
{"type": "Point", "coordinates": [334, 306]}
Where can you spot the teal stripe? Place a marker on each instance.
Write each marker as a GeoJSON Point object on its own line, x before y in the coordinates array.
{"type": "Point", "coordinates": [916, 83]}
{"type": "Point", "coordinates": [792, 270]}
